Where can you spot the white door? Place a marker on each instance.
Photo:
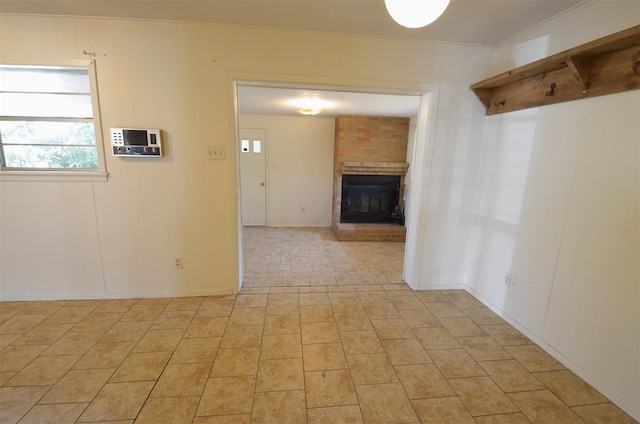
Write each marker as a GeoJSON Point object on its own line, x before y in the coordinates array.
{"type": "Point", "coordinates": [253, 191]}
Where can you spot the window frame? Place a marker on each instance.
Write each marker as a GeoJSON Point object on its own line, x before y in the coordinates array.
{"type": "Point", "coordinates": [64, 174]}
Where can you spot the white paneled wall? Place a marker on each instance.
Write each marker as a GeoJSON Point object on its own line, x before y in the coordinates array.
{"type": "Point", "coordinates": [451, 169]}
{"type": "Point", "coordinates": [50, 240]}
{"type": "Point", "coordinates": [299, 168]}
{"type": "Point", "coordinates": [120, 238]}
{"type": "Point", "coordinates": [597, 271]}
{"type": "Point", "coordinates": [548, 194]}
{"type": "Point", "coordinates": [557, 208]}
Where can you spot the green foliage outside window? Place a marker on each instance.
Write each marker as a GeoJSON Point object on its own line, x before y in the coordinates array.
{"type": "Point", "coordinates": [49, 145]}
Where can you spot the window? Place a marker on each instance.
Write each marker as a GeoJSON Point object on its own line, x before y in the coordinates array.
{"type": "Point", "coordinates": [48, 119]}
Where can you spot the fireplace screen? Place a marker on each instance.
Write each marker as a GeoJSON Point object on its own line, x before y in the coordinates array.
{"type": "Point", "coordinates": [370, 199]}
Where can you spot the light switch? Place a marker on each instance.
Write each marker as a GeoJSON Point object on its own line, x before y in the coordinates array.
{"type": "Point", "coordinates": [215, 152]}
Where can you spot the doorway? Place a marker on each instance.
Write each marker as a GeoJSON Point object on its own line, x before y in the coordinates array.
{"type": "Point", "coordinates": [419, 153]}
{"type": "Point", "coordinates": [253, 193]}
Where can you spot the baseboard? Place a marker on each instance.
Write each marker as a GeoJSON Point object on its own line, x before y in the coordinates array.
{"type": "Point", "coordinates": [109, 296]}
{"type": "Point", "coordinates": [440, 287]}
{"type": "Point", "coordinates": [575, 368]}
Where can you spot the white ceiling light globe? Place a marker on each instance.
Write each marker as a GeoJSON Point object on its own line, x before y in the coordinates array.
{"type": "Point", "coordinates": [415, 13]}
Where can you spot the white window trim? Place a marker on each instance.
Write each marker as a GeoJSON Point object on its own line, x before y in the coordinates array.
{"type": "Point", "coordinates": [53, 175]}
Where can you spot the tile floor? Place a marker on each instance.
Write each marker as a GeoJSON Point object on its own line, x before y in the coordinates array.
{"type": "Point", "coordinates": [322, 332]}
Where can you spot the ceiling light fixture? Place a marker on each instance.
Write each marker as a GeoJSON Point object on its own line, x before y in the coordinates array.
{"type": "Point", "coordinates": [310, 111]}
{"type": "Point", "coordinates": [415, 13]}
{"type": "Point", "coordinates": [310, 105]}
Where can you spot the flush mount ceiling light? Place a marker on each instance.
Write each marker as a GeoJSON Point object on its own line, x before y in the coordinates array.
{"type": "Point", "coordinates": [310, 105]}
{"type": "Point", "coordinates": [310, 111]}
{"type": "Point", "coordinates": [415, 13]}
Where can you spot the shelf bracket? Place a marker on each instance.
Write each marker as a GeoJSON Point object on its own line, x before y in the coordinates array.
{"type": "Point", "coordinates": [580, 67]}
{"type": "Point", "coordinates": [484, 94]}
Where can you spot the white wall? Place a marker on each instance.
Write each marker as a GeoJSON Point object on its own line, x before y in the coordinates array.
{"type": "Point", "coordinates": [557, 203]}
{"type": "Point", "coordinates": [299, 166]}
{"type": "Point", "coordinates": [558, 208]}
{"type": "Point", "coordinates": [119, 238]}
{"type": "Point", "coordinates": [448, 182]}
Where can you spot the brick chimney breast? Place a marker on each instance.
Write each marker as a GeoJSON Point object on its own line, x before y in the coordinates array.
{"type": "Point", "coordinates": [368, 145]}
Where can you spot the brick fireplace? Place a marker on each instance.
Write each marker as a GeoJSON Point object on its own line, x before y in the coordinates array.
{"type": "Point", "coordinates": [369, 147]}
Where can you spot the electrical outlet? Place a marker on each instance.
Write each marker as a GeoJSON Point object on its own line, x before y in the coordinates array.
{"type": "Point", "coordinates": [507, 279]}
{"type": "Point", "coordinates": [178, 263]}
{"type": "Point", "coordinates": [515, 281]}
{"type": "Point", "coordinates": [215, 152]}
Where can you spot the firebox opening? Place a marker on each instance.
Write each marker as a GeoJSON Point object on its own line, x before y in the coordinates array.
{"type": "Point", "coordinates": [370, 199]}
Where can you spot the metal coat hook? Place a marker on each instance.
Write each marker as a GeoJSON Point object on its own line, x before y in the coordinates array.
{"type": "Point", "coordinates": [552, 89]}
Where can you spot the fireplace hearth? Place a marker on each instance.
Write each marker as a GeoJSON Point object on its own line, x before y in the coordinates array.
{"type": "Point", "coordinates": [372, 199]}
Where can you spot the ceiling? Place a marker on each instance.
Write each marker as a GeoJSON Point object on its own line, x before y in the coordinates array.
{"type": "Point", "coordinates": [487, 22]}
{"type": "Point", "coordinates": [284, 101]}
{"type": "Point", "coordinates": [483, 22]}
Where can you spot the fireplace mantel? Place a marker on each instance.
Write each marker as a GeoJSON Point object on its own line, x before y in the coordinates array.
{"type": "Point", "coordinates": [373, 168]}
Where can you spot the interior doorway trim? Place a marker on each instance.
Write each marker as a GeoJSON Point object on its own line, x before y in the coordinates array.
{"type": "Point", "coordinates": [421, 155]}
{"type": "Point", "coordinates": [420, 172]}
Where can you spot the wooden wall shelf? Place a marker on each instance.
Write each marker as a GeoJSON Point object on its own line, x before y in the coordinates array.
{"type": "Point", "coordinates": [605, 66]}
